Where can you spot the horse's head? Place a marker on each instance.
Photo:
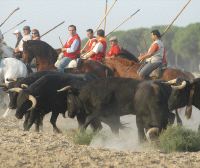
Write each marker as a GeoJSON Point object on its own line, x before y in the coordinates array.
{"type": "Point", "coordinates": [40, 50]}
{"type": "Point", "coordinates": [28, 53]}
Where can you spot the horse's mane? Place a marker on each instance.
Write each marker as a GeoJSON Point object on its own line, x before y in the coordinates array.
{"type": "Point", "coordinates": [40, 49]}
{"type": "Point", "coordinates": [128, 55]}
{"type": "Point", "coordinates": [122, 61]}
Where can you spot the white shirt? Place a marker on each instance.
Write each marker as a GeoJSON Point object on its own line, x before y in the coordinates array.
{"type": "Point", "coordinates": [74, 46]}
{"type": "Point", "coordinates": [98, 48]}
{"type": "Point", "coordinates": [25, 38]}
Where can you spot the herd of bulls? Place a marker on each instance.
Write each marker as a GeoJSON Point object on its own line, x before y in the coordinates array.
{"type": "Point", "coordinates": [94, 100]}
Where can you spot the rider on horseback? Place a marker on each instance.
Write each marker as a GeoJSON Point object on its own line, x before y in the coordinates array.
{"type": "Point", "coordinates": [154, 58]}
{"type": "Point", "coordinates": [71, 49]}
{"type": "Point", "coordinates": [91, 42]}
{"type": "Point", "coordinates": [99, 51]}
{"type": "Point", "coordinates": [115, 49]}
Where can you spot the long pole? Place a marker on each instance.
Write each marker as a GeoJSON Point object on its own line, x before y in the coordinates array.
{"type": "Point", "coordinates": [101, 22]}
{"type": "Point", "coordinates": [9, 16]}
{"type": "Point", "coordinates": [123, 22]}
{"type": "Point", "coordinates": [106, 8]}
{"type": "Point", "coordinates": [106, 15]}
{"type": "Point", "coordinates": [52, 29]}
{"type": "Point", "coordinates": [145, 43]}
{"type": "Point", "coordinates": [14, 26]}
{"type": "Point", "coordinates": [60, 41]}
{"type": "Point", "coordinates": [169, 26]}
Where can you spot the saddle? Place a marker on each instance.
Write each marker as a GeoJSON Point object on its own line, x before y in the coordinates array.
{"type": "Point", "coordinates": [157, 73]}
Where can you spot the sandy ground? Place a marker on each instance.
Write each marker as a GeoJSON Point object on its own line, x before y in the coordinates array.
{"type": "Point", "coordinates": [46, 149]}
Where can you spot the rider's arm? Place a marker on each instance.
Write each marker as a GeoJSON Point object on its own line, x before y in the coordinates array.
{"type": "Point", "coordinates": [73, 47]}
{"type": "Point", "coordinates": [98, 48]}
{"type": "Point", "coordinates": [150, 53]}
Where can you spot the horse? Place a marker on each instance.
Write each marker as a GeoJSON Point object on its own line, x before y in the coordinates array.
{"type": "Point", "coordinates": [93, 67]}
{"type": "Point", "coordinates": [44, 54]}
{"type": "Point", "coordinates": [5, 51]}
{"type": "Point", "coordinates": [126, 68]}
{"type": "Point", "coordinates": [124, 53]}
{"type": "Point", "coordinates": [10, 70]}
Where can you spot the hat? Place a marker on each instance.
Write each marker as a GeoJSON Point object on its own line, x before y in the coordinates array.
{"type": "Point", "coordinates": [113, 38]}
{"type": "Point", "coordinates": [16, 32]}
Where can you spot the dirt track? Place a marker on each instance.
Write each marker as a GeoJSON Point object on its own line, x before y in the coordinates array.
{"type": "Point", "coordinates": [46, 149]}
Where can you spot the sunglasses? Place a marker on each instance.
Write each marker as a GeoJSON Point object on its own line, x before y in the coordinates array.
{"type": "Point", "coordinates": [34, 33]}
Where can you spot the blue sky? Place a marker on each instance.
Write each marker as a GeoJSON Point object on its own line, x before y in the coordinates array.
{"type": "Point", "coordinates": [44, 14]}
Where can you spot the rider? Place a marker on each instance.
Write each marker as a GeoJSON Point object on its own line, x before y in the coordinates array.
{"type": "Point", "coordinates": [35, 34]}
{"type": "Point", "coordinates": [18, 35]}
{"type": "Point", "coordinates": [155, 56]}
{"type": "Point", "coordinates": [71, 49]}
{"type": "Point", "coordinates": [115, 49]}
{"type": "Point", "coordinates": [26, 37]}
{"type": "Point", "coordinates": [91, 42]}
{"type": "Point", "coordinates": [99, 50]}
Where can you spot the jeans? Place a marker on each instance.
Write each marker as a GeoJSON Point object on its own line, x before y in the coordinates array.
{"type": "Point", "coordinates": [148, 68]}
{"type": "Point", "coordinates": [63, 63]}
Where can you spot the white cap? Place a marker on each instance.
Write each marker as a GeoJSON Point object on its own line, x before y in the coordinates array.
{"type": "Point", "coordinates": [16, 32]}
{"type": "Point", "coordinates": [113, 38]}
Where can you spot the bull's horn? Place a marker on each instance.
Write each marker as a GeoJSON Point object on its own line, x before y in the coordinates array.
{"type": "Point", "coordinates": [33, 100]}
{"type": "Point", "coordinates": [15, 90]}
{"type": "Point", "coordinates": [63, 89]}
{"type": "Point", "coordinates": [150, 131]}
{"type": "Point", "coordinates": [24, 85]}
{"type": "Point", "coordinates": [183, 84]}
{"type": "Point", "coordinates": [11, 79]}
{"type": "Point", "coordinates": [171, 82]}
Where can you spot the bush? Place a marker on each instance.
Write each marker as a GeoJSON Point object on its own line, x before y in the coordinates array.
{"type": "Point", "coordinates": [83, 138]}
{"type": "Point", "coordinates": [180, 139]}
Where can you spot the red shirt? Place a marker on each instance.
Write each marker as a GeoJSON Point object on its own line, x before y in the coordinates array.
{"type": "Point", "coordinates": [99, 56]}
{"type": "Point", "coordinates": [68, 45]}
{"type": "Point", "coordinates": [91, 44]}
{"type": "Point", "coordinates": [114, 50]}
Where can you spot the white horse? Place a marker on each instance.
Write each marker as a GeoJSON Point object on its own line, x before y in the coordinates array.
{"type": "Point", "coordinates": [5, 51]}
{"type": "Point", "coordinates": [11, 69]}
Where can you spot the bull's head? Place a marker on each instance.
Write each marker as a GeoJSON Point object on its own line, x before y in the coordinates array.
{"type": "Point", "coordinates": [180, 94]}
{"type": "Point", "coordinates": [13, 93]}
{"type": "Point", "coordinates": [73, 102]}
{"type": "Point", "coordinates": [25, 102]}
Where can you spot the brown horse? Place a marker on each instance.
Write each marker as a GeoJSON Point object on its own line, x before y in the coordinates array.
{"type": "Point", "coordinates": [126, 68]}
{"type": "Point", "coordinates": [44, 54]}
{"type": "Point", "coordinates": [88, 66]}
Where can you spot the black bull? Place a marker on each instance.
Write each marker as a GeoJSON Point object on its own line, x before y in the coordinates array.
{"type": "Point", "coordinates": [45, 98]}
{"type": "Point", "coordinates": [108, 99]}
{"type": "Point", "coordinates": [188, 95]}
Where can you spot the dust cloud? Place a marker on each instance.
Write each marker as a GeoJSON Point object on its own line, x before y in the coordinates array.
{"type": "Point", "coordinates": [127, 139]}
